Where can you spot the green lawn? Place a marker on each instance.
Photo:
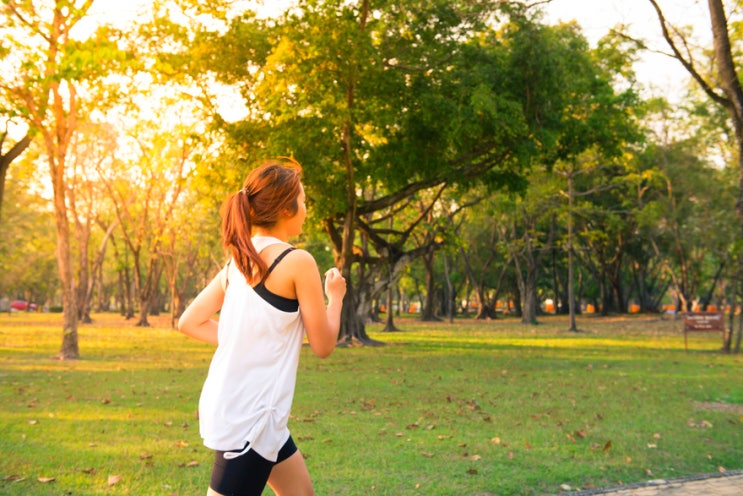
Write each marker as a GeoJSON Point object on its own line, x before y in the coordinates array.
{"type": "Point", "coordinates": [464, 409]}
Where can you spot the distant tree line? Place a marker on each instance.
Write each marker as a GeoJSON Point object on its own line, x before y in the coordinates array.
{"type": "Point", "coordinates": [462, 155]}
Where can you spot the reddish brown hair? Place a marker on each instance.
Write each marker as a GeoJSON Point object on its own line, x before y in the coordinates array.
{"type": "Point", "coordinates": [269, 191]}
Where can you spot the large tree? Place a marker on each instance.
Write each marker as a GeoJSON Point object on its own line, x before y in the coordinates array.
{"type": "Point", "coordinates": [49, 75]}
{"type": "Point", "coordinates": [380, 102]}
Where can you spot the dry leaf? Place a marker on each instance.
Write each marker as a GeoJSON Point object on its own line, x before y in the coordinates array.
{"type": "Point", "coordinates": [145, 456]}
{"type": "Point", "coordinates": [510, 455]}
{"type": "Point", "coordinates": [495, 440]}
{"type": "Point", "coordinates": [607, 447]}
{"type": "Point", "coordinates": [656, 436]}
{"type": "Point", "coordinates": [475, 458]}
{"type": "Point", "coordinates": [581, 433]}
{"type": "Point", "coordinates": [721, 469]}
{"type": "Point", "coordinates": [427, 454]}
{"type": "Point", "coordinates": [565, 487]}
{"type": "Point", "coordinates": [472, 471]}
{"type": "Point", "coordinates": [106, 401]}
{"type": "Point", "coordinates": [114, 479]}
{"type": "Point", "coordinates": [46, 479]}
{"type": "Point", "coordinates": [192, 463]}
{"type": "Point", "coordinates": [13, 478]}
{"type": "Point", "coordinates": [652, 446]}
{"type": "Point", "coordinates": [90, 470]}
{"type": "Point", "coordinates": [33, 422]}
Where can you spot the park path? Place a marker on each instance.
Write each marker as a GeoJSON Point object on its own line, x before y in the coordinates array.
{"type": "Point", "coordinates": [724, 484]}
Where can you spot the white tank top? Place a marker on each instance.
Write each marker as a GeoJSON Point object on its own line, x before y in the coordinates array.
{"type": "Point", "coordinates": [247, 395]}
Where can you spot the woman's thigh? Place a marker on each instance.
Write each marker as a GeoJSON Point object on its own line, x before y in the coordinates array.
{"type": "Point", "coordinates": [291, 478]}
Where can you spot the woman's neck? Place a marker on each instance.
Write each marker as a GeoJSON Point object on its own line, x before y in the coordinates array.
{"type": "Point", "coordinates": [270, 233]}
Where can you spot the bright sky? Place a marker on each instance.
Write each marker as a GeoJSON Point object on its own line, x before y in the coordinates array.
{"type": "Point", "coordinates": [659, 73]}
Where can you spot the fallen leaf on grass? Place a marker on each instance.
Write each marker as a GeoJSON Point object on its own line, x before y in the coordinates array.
{"type": "Point", "coordinates": [475, 458]}
{"type": "Point", "coordinates": [145, 456]}
{"type": "Point", "coordinates": [721, 469]}
{"type": "Point", "coordinates": [607, 446]}
{"type": "Point", "coordinates": [46, 479]}
{"type": "Point", "coordinates": [495, 440]}
{"type": "Point", "coordinates": [427, 454]}
{"type": "Point", "coordinates": [472, 471]}
{"type": "Point", "coordinates": [14, 478]}
{"type": "Point", "coordinates": [192, 463]}
{"type": "Point", "coordinates": [114, 479]}
{"type": "Point", "coordinates": [89, 471]}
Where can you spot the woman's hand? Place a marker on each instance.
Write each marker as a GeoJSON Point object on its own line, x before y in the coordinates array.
{"type": "Point", "coordinates": [335, 285]}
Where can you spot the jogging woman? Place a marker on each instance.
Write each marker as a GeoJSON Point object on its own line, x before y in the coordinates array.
{"type": "Point", "coordinates": [269, 296]}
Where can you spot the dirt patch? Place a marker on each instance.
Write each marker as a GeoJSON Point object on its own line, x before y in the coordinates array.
{"type": "Point", "coordinates": [718, 406]}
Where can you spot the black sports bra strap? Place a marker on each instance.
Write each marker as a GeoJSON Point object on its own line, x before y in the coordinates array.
{"type": "Point", "coordinates": [276, 262]}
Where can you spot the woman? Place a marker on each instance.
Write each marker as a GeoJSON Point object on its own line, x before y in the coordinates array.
{"type": "Point", "coordinates": [269, 296]}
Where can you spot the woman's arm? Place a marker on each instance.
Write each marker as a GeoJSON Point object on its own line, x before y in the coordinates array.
{"type": "Point", "coordinates": [322, 323]}
{"type": "Point", "coordinates": [197, 320]}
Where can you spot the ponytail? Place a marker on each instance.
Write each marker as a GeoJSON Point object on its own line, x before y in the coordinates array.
{"type": "Point", "coordinates": [269, 190]}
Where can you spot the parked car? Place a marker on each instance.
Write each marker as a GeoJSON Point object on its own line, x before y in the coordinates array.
{"type": "Point", "coordinates": [22, 305]}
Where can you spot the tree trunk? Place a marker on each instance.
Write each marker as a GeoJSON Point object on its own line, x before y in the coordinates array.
{"type": "Point", "coordinates": [6, 159]}
{"type": "Point", "coordinates": [69, 348]}
{"type": "Point", "coordinates": [428, 313]}
{"type": "Point", "coordinates": [389, 325]}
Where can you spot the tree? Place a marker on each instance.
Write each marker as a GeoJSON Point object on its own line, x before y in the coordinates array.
{"type": "Point", "coordinates": [723, 86]}
{"type": "Point", "coordinates": [27, 243]}
{"type": "Point", "coordinates": [411, 99]}
{"type": "Point", "coordinates": [49, 78]}
{"type": "Point", "coordinates": [146, 190]}
{"type": "Point", "coordinates": [484, 257]}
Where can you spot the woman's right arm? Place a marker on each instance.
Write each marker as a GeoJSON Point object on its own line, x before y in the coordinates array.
{"type": "Point", "coordinates": [321, 322]}
{"type": "Point", "coordinates": [197, 320]}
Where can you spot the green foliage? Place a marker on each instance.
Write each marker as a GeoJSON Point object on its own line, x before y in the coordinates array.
{"type": "Point", "coordinates": [28, 267]}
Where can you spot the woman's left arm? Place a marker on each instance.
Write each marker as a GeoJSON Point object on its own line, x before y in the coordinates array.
{"type": "Point", "coordinates": [197, 320]}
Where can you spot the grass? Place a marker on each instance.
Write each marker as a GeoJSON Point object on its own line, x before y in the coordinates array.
{"type": "Point", "coordinates": [444, 409]}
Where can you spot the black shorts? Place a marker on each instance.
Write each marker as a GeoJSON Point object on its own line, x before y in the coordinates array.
{"type": "Point", "coordinates": [245, 475]}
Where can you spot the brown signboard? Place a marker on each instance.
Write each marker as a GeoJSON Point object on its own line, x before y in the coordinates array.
{"type": "Point", "coordinates": [703, 322]}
